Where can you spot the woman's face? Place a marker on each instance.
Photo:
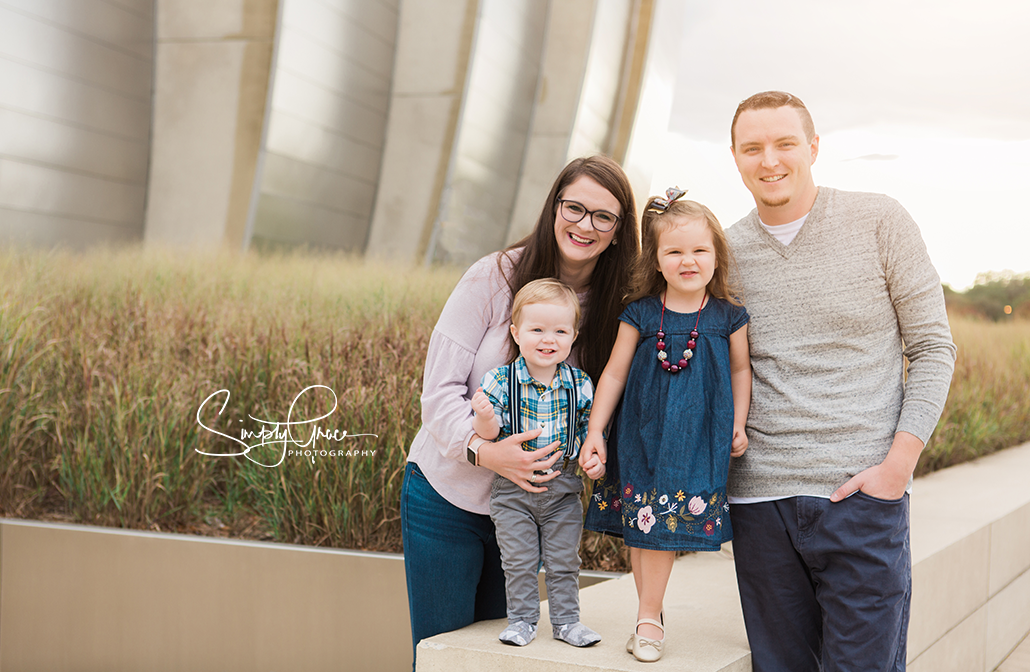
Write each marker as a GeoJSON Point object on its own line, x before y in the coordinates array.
{"type": "Point", "coordinates": [580, 243]}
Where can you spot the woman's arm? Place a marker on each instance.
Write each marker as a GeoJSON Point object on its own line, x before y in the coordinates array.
{"type": "Point", "coordinates": [740, 382]}
{"type": "Point", "coordinates": [593, 455]}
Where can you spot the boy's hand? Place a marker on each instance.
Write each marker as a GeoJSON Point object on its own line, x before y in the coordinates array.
{"type": "Point", "coordinates": [482, 405]}
{"type": "Point", "coordinates": [739, 444]}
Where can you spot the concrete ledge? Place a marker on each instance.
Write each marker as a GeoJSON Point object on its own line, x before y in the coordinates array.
{"type": "Point", "coordinates": [702, 613]}
{"type": "Point", "coordinates": [971, 588]}
{"type": "Point", "coordinates": [971, 564]}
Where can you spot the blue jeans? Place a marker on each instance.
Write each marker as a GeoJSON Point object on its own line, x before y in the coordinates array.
{"type": "Point", "coordinates": [451, 561]}
{"type": "Point", "coordinates": [825, 587]}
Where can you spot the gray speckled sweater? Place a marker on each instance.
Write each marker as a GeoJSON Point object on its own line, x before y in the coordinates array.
{"type": "Point", "coordinates": [831, 316]}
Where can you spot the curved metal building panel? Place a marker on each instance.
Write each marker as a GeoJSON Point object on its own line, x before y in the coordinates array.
{"type": "Point", "coordinates": [327, 123]}
{"type": "Point", "coordinates": [75, 110]}
{"type": "Point", "coordinates": [418, 130]}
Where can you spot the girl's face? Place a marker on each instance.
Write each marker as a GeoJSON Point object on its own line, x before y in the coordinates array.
{"type": "Point", "coordinates": [579, 243]}
{"type": "Point", "coordinates": [686, 258]}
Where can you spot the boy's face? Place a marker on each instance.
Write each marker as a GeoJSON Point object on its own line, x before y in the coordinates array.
{"type": "Point", "coordinates": [545, 334]}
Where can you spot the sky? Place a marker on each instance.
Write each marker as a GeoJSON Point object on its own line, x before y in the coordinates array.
{"type": "Point", "coordinates": [928, 102]}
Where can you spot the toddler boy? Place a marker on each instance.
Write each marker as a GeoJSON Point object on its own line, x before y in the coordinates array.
{"type": "Point", "coordinates": [539, 389]}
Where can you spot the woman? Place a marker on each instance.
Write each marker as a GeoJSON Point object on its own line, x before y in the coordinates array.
{"type": "Point", "coordinates": [587, 236]}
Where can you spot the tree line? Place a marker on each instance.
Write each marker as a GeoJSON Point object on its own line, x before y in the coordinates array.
{"type": "Point", "coordinates": [994, 296]}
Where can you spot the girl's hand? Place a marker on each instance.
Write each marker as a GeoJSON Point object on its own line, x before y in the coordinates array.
{"type": "Point", "coordinates": [592, 456]}
{"type": "Point", "coordinates": [739, 444]}
{"type": "Point", "coordinates": [482, 405]}
{"type": "Point", "coordinates": [507, 458]}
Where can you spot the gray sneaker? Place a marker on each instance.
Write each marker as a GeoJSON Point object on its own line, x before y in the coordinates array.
{"type": "Point", "coordinates": [576, 634]}
{"type": "Point", "coordinates": [518, 633]}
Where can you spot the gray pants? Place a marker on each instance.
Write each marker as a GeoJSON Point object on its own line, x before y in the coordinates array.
{"type": "Point", "coordinates": [530, 524]}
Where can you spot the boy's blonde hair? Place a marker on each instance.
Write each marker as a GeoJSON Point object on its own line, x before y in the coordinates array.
{"type": "Point", "coordinates": [545, 290]}
{"type": "Point", "coordinates": [648, 279]}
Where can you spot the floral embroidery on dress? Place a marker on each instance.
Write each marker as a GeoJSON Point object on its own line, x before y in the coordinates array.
{"type": "Point", "coordinates": [683, 513]}
{"type": "Point", "coordinates": [645, 519]}
{"type": "Point", "coordinates": [701, 515]}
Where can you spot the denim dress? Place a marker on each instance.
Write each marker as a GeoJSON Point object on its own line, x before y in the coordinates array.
{"type": "Point", "coordinates": [669, 447]}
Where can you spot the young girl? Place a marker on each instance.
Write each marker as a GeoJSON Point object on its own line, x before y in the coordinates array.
{"type": "Point", "coordinates": [681, 356]}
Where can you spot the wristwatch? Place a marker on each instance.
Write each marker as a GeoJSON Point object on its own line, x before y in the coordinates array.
{"type": "Point", "coordinates": [472, 452]}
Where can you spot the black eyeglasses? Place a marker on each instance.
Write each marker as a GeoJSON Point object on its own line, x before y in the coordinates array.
{"type": "Point", "coordinates": [574, 211]}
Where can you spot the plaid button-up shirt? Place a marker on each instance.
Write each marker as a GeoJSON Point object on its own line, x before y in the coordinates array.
{"type": "Point", "coordinates": [545, 406]}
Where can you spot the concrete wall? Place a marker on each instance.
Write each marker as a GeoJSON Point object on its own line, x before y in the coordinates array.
{"type": "Point", "coordinates": [85, 598]}
{"type": "Point", "coordinates": [327, 123]}
{"type": "Point", "coordinates": [75, 109]}
{"type": "Point", "coordinates": [80, 598]}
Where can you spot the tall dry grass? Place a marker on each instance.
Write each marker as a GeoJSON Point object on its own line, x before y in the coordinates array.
{"type": "Point", "coordinates": [105, 358]}
{"type": "Point", "coordinates": [988, 405]}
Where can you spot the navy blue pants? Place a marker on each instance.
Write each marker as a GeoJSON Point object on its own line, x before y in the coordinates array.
{"type": "Point", "coordinates": [451, 561]}
{"type": "Point", "coordinates": [825, 587]}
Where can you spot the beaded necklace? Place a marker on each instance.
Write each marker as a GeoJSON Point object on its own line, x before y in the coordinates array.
{"type": "Point", "coordinates": [663, 357]}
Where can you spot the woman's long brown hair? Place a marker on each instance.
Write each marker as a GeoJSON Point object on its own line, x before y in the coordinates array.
{"type": "Point", "coordinates": [609, 283]}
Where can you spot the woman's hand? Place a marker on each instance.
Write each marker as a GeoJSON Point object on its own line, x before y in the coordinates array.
{"type": "Point", "coordinates": [507, 458]}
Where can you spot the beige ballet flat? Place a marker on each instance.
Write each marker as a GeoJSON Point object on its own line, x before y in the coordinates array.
{"type": "Point", "coordinates": [648, 650]}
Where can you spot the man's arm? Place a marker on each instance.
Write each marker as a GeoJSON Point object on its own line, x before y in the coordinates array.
{"type": "Point", "coordinates": [918, 300]}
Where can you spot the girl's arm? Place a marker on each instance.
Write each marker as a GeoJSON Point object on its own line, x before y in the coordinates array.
{"type": "Point", "coordinates": [593, 455]}
{"type": "Point", "coordinates": [740, 382]}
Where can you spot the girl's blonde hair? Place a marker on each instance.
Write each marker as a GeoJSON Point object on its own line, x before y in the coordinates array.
{"type": "Point", "coordinates": [648, 280]}
{"type": "Point", "coordinates": [545, 290]}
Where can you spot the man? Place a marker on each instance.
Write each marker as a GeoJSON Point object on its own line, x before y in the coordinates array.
{"type": "Point", "coordinates": [840, 290]}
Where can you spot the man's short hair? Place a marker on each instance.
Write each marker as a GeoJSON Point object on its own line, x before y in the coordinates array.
{"type": "Point", "coordinates": [774, 99]}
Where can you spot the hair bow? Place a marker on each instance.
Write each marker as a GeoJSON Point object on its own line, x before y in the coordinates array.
{"type": "Point", "coordinates": [672, 194]}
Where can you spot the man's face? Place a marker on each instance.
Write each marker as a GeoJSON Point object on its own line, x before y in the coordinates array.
{"type": "Point", "coordinates": [775, 161]}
